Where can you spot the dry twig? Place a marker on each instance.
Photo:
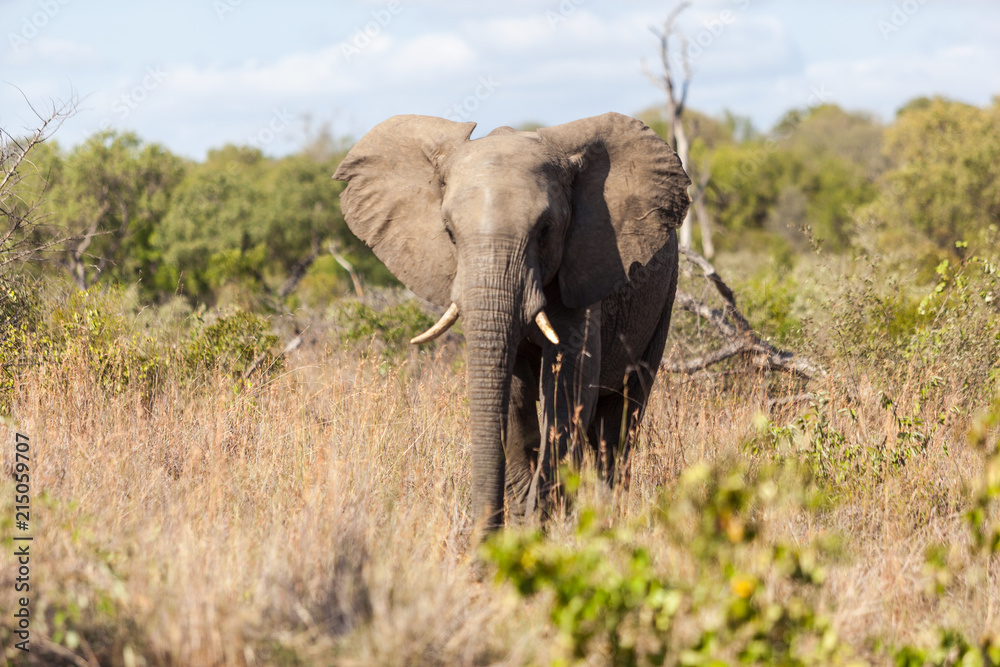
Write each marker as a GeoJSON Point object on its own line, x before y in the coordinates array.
{"type": "Point", "coordinates": [741, 340]}
{"type": "Point", "coordinates": [18, 214]}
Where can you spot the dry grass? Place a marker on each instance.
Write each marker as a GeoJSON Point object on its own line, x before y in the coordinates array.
{"type": "Point", "coordinates": [321, 518]}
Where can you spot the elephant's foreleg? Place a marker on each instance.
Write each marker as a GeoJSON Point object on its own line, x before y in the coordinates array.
{"type": "Point", "coordinates": [569, 388]}
{"type": "Point", "coordinates": [618, 414]}
{"type": "Point", "coordinates": [610, 432]}
{"type": "Point", "coordinates": [521, 449]}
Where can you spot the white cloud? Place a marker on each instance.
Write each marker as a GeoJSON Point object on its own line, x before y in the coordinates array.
{"type": "Point", "coordinates": [225, 78]}
{"type": "Point", "coordinates": [510, 35]}
{"type": "Point", "coordinates": [429, 55]}
{"type": "Point", "coordinates": [53, 52]}
{"type": "Point", "coordinates": [883, 83]}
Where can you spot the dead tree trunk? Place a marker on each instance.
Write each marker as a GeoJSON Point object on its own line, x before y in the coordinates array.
{"type": "Point", "coordinates": [701, 211]}
{"type": "Point", "coordinates": [359, 288]}
{"type": "Point", "coordinates": [677, 135]}
{"type": "Point", "coordinates": [740, 338]}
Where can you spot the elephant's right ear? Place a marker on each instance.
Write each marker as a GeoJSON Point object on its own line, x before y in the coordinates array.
{"type": "Point", "coordinates": [393, 199]}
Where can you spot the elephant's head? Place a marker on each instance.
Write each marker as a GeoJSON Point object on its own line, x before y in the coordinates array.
{"type": "Point", "coordinates": [483, 226]}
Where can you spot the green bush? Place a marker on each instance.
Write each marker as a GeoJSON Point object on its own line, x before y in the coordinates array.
{"type": "Point", "coordinates": [952, 647]}
{"type": "Point", "coordinates": [608, 597]}
{"type": "Point", "coordinates": [734, 593]}
{"type": "Point", "coordinates": [19, 316]}
{"type": "Point", "coordinates": [99, 329]}
{"type": "Point", "coordinates": [235, 344]}
{"type": "Point", "coordinates": [96, 326]}
{"type": "Point", "coordinates": [841, 465]}
{"type": "Point", "coordinates": [389, 331]}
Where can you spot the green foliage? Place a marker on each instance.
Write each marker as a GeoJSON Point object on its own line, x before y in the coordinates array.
{"type": "Point", "coordinates": [237, 223]}
{"type": "Point", "coordinates": [89, 605]}
{"type": "Point", "coordinates": [952, 647]}
{"type": "Point", "coordinates": [986, 538]}
{"type": "Point", "coordinates": [325, 282]}
{"type": "Point", "coordinates": [945, 182]}
{"type": "Point", "coordinates": [733, 593]}
{"type": "Point", "coordinates": [840, 465]}
{"type": "Point", "coordinates": [212, 234]}
{"type": "Point", "coordinates": [243, 220]}
{"type": "Point", "coordinates": [700, 128]}
{"type": "Point", "coordinates": [234, 344]}
{"type": "Point", "coordinates": [237, 226]}
{"type": "Point", "coordinates": [19, 315]}
{"type": "Point", "coordinates": [950, 329]}
{"type": "Point", "coordinates": [96, 329]}
{"type": "Point", "coordinates": [390, 329]}
{"type": "Point", "coordinates": [768, 299]}
{"type": "Point", "coordinates": [94, 326]}
{"type": "Point", "coordinates": [803, 182]}
{"type": "Point", "coordinates": [958, 322]}
{"type": "Point", "coordinates": [111, 193]}
{"type": "Point", "coordinates": [609, 598]}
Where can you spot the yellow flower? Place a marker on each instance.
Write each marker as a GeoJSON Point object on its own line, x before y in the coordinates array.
{"type": "Point", "coordinates": [742, 586]}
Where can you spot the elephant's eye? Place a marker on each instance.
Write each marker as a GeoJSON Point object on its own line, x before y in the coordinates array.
{"type": "Point", "coordinates": [543, 231]}
{"type": "Point", "coordinates": [451, 234]}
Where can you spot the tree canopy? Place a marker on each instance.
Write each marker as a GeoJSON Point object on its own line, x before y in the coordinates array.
{"type": "Point", "coordinates": [242, 223]}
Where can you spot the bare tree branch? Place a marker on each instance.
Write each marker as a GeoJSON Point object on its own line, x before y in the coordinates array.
{"type": "Point", "coordinates": [20, 212]}
{"type": "Point", "coordinates": [359, 289]}
{"type": "Point", "coordinates": [741, 339]}
{"type": "Point", "coordinates": [298, 271]}
{"type": "Point", "coordinates": [676, 104]}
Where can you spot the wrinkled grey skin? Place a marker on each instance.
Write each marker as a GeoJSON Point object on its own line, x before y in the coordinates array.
{"type": "Point", "coordinates": [579, 220]}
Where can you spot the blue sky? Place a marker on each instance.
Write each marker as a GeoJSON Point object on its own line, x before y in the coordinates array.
{"type": "Point", "coordinates": [196, 74]}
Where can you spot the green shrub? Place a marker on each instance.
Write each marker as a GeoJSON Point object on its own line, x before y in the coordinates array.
{"type": "Point", "coordinates": [952, 647]}
{"type": "Point", "coordinates": [959, 325]}
{"type": "Point", "coordinates": [842, 465]}
{"type": "Point", "coordinates": [85, 606]}
{"type": "Point", "coordinates": [389, 330]}
{"type": "Point", "coordinates": [734, 593]}
{"type": "Point", "coordinates": [898, 329]}
{"type": "Point", "coordinates": [96, 325]}
{"type": "Point", "coordinates": [769, 298]}
{"type": "Point", "coordinates": [99, 329]}
{"type": "Point", "coordinates": [234, 344]}
{"type": "Point", "coordinates": [19, 316]}
{"type": "Point", "coordinates": [609, 598]}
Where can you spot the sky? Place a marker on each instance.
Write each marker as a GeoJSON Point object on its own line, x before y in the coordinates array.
{"type": "Point", "coordinates": [198, 74]}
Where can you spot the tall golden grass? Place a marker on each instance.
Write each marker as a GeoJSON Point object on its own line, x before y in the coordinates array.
{"type": "Point", "coordinates": [321, 516]}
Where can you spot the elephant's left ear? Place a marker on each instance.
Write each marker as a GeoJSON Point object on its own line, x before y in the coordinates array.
{"type": "Point", "coordinates": [629, 195]}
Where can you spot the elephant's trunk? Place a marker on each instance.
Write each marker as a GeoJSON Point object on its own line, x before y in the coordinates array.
{"type": "Point", "coordinates": [500, 300]}
{"type": "Point", "coordinates": [489, 346]}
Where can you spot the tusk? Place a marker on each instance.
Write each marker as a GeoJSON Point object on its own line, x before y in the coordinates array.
{"type": "Point", "coordinates": [449, 318]}
{"type": "Point", "coordinates": [543, 323]}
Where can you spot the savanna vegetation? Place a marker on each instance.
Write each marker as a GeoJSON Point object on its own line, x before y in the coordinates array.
{"type": "Point", "coordinates": [237, 459]}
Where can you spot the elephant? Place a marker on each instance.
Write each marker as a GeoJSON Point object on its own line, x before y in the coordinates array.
{"type": "Point", "coordinates": [558, 248]}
